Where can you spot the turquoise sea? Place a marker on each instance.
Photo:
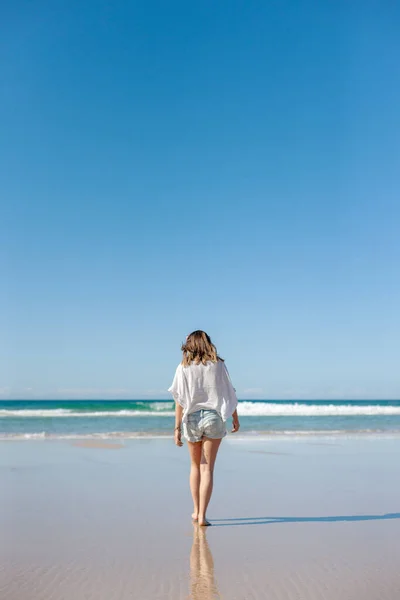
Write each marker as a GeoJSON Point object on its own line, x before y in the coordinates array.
{"type": "Point", "coordinates": [30, 419]}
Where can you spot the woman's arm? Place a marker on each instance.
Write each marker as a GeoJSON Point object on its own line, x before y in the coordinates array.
{"type": "Point", "coordinates": [178, 424]}
{"type": "Point", "coordinates": [231, 395]}
{"type": "Point", "coordinates": [236, 423]}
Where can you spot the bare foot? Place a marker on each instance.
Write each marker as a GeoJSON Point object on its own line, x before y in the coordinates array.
{"type": "Point", "coordinates": [204, 523]}
{"type": "Point", "coordinates": [194, 517]}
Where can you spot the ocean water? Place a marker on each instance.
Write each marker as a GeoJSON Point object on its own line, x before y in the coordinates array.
{"type": "Point", "coordinates": [23, 419]}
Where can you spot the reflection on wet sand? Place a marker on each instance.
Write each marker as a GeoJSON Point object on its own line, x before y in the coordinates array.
{"type": "Point", "coordinates": [202, 580]}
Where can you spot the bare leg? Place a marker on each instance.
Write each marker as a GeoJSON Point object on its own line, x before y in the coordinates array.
{"type": "Point", "coordinates": [209, 454]}
{"type": "Point", "coordinates": [195, 449]}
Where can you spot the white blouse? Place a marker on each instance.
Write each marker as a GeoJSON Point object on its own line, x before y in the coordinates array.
{"type": "Point", "coordinates": [206, 386]}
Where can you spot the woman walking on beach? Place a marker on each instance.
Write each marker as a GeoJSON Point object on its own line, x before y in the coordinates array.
{"type": "Point", "coordinates": [204, 399]}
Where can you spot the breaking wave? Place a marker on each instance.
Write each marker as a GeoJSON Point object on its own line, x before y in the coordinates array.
{"type": "Point", "coordinates": [245, 408]}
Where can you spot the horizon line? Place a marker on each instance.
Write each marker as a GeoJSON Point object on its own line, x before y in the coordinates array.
{"type": "Point", "coordinates": [172, 400]}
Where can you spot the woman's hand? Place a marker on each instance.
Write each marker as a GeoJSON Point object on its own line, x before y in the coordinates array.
{"type": "Point", "coordinates": [235, 422]}
{"type": "Point", "coordinates": [178, 424]}
{"type": "Point", "coordinates": [177, 437]}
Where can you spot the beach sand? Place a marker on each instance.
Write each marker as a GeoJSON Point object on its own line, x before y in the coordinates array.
{"type": "Point", "coordinates": [312, 519]}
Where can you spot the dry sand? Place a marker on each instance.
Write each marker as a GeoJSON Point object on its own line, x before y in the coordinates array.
{"type": "Point", "coordinates": [291, 521]}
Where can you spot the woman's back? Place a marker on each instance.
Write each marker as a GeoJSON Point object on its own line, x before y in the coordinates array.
{"type": "Point", "coordinates": [204, 386]}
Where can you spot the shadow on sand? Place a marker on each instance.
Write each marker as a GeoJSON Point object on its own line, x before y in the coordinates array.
{"type": "Point", "coordinates": [203, 585]}
{"type": "Point", "coordinates": [270, 520]}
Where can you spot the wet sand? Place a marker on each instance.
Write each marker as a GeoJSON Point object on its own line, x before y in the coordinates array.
{"type": "Point", "coordinates": [290, 521]}
{"type": "Point", "coordinates": [104, 445]}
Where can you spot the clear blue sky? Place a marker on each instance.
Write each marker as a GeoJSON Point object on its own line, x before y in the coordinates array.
{"type": "Point", "coordinates": [229, 166]}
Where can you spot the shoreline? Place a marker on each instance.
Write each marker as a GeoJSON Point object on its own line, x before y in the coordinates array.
{"type": "Point", "coordinates": [256, 436]}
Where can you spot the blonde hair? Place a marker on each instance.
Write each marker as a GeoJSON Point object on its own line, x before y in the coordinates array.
{"type": "Point", "coordinates": [199, 348]}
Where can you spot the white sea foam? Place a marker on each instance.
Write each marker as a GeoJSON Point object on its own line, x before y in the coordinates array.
{"type": "Point", "coordinates": [24, 436]}
{"type": "Point", "coordinates": [278, 409]}
{"type": "Point", "coordinates": [63, 412]}
{"type": "Point", "coordinates": [83, 436]}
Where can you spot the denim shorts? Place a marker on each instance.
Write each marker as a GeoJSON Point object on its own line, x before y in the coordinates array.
{"type": "Point", "coordinates": [204, 423]}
